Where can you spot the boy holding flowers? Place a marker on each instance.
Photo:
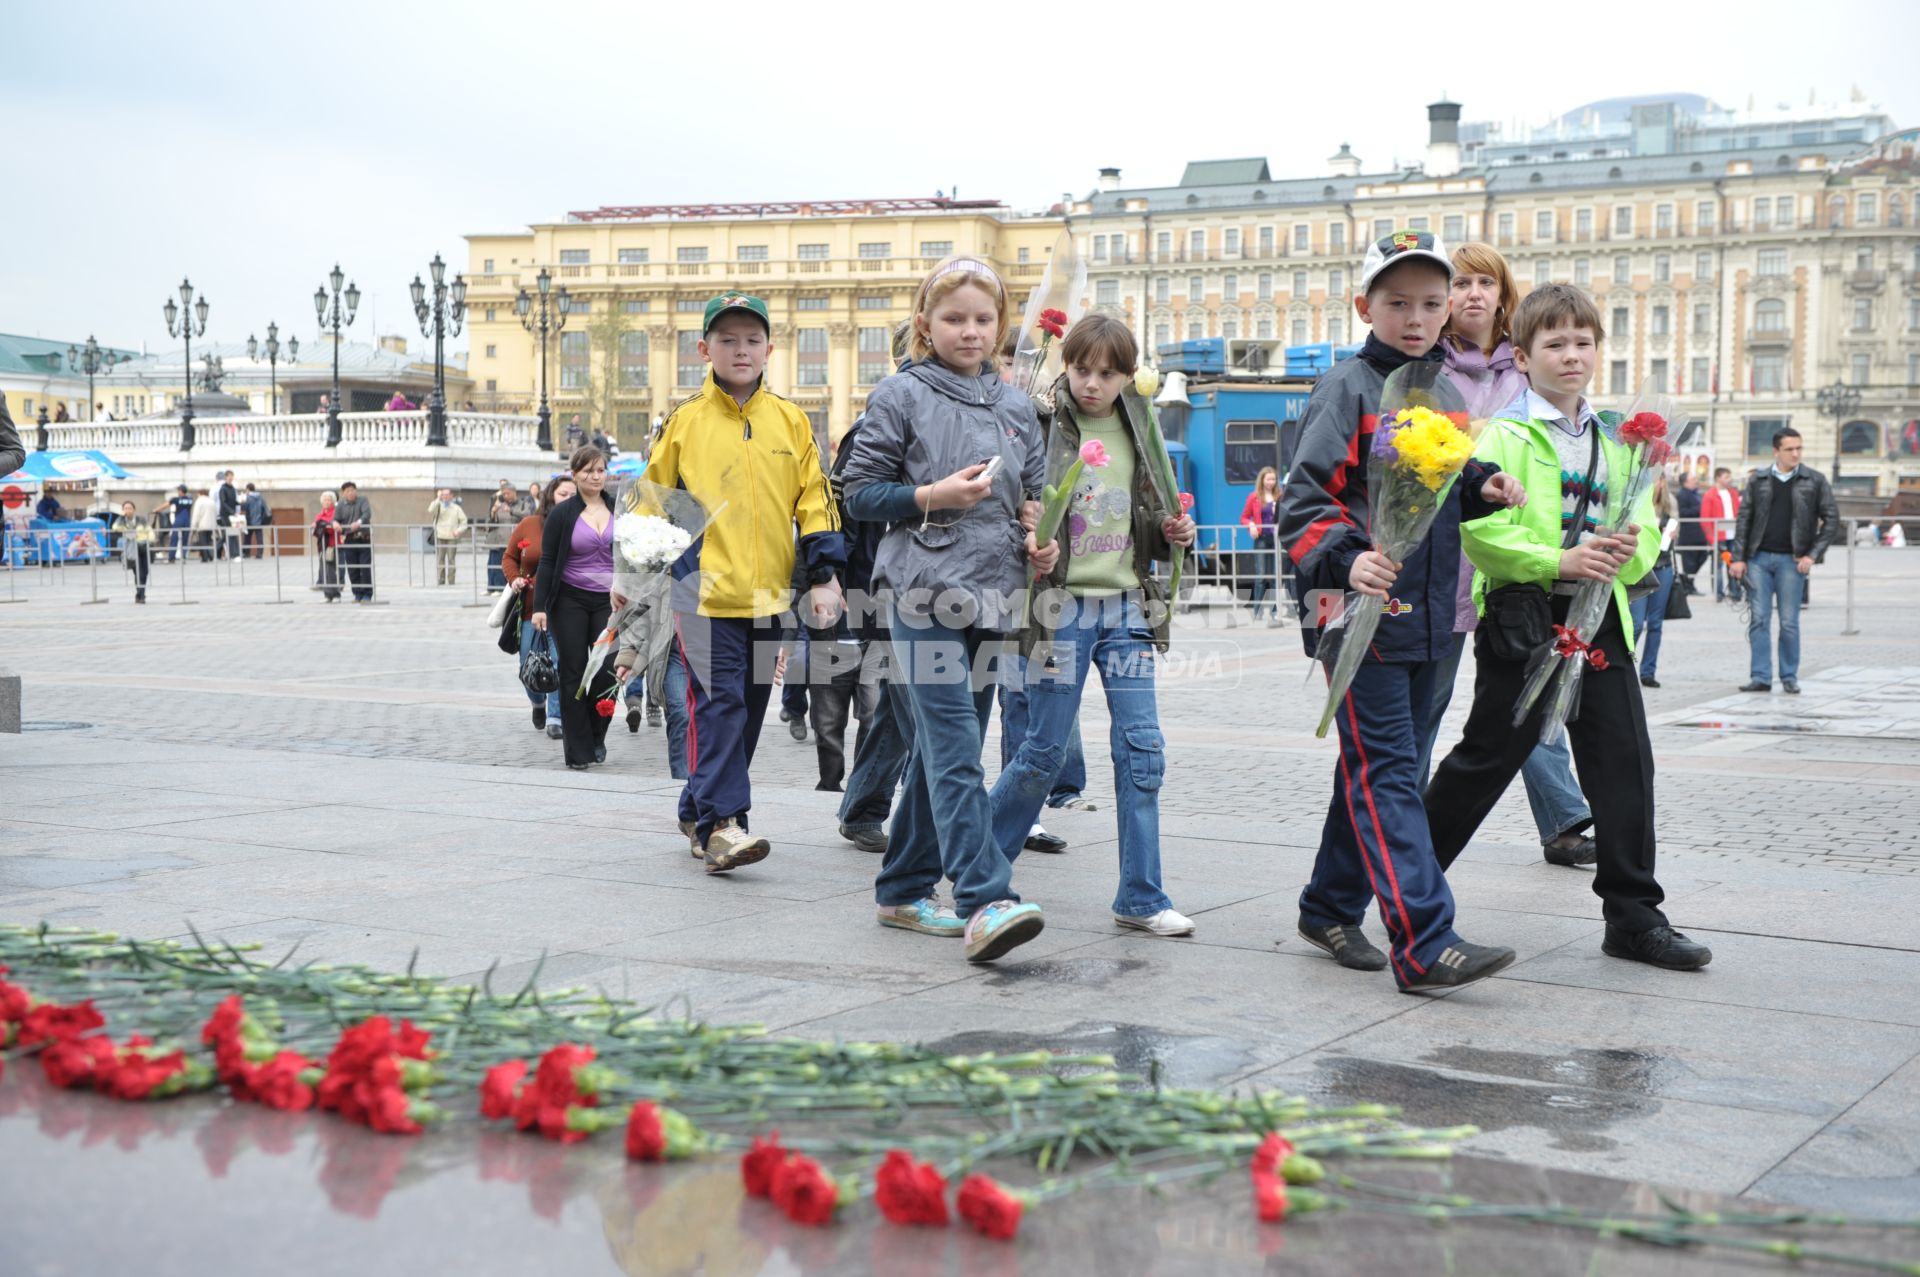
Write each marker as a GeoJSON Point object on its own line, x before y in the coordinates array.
{"type": "Point", "coordinates": [1375, 842]}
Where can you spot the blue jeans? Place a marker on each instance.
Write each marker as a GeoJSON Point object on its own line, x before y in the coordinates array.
{"type": "Point", "coordinates": [943, 825]}
{"type": "Point", "coordinates": [1649, 616]}
{"type": "Point", "coordinates": [1774, 576]}
{"type": "Point", "coordinates": [878, 759]}
{"type": "Point", "coordinates": [673, 698]}
{"type": "Point", "coordinates": [1263, 579]}
{"type": "Point", "coordinates": [1113, 635]}
{"type": "Point", "coordinates": [1071, 781]}
{"type": "Point", "coordinates": [528, 637]}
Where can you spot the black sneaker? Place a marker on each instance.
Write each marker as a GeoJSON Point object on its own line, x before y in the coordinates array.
{"type": "Point", "coordinates": [1044, 841]}
{"type": "Point", "coordinates": [1757, 686]}
{"type": "Point", "coordinates": [797, 728]}
{"type": "Point", "coordinates": [1657, 947]}
{"type": "Point", "coordinates": [1570, 851]}
{"type": "Point", "coordinates": [599, 753]}
{"type": "Point", "coordinates": [539, 717]}
{"type": "Point", "coordinates": [633, 719]}
{"type": "Point", "coordinates": [1790, 687]}
{"type": "Point", "coordinates": [1347, 946]}
{"type": "Point", "coordinates": [865, 839]}
{"type": "Point", "coordinates": [1647, 680]}
{"type": "Point", "coordinates": [1460, 964]}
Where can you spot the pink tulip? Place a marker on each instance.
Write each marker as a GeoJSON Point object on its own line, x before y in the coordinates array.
{"type": "Point", "coordinates": [1186, 502]}
{"type": "Point", "coordinates": [1094, 453]}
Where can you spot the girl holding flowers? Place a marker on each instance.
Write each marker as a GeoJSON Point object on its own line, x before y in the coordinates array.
{"type": "Point", "coordinates": [950, 459]}
{"type": "Point", "coordinates": [1099, 604]}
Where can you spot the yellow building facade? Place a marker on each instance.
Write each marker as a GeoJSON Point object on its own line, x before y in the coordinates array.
{"type": "Point", "coordinates": [836, 275]}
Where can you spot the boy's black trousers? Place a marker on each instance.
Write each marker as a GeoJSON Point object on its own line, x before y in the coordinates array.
{"type": "Point", "coordinates": [1611, 751]}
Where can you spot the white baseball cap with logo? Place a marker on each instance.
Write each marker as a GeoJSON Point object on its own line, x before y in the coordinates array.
{"type": "Point", "coordinates": [1391, 250]}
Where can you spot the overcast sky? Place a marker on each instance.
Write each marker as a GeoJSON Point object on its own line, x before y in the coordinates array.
{"type": "Point", "coordinates": [250, 145]}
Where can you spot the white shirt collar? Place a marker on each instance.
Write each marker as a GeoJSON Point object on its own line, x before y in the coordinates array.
{"type": "Point", "coordinates": [1540, 410]}
{"type": "Point", "coordinates": [1784, 475]}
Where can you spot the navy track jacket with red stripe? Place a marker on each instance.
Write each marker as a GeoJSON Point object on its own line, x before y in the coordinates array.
{"type": "Point", "coordinates": [1325, 515]}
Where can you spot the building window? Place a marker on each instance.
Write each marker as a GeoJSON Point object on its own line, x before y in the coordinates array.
{"type": "Point", "coordinates": [1697, 378]}
{"type": "Point", "coordinates": [1863, 258]}
{"type": "Point", "coordinates": [1623, 221]}
{"type": "Point", "coordinates": [1617, 377]}
{"type": "Point", "coordinates": [753, 252]}
{"type": "Point", "coordinates": [1703, 218]}
{"type": "Point", "coordinates": [944, 247]}
{"type": "Point", "coordinates": [1453, 228]}
{"type": "Point", "coordinates": [1772, 261]}
{"type": "Point", "coordinates": [1302, 237]}
{"type": "Point", "coordinates": [574, 361]}
{"type": "Point", "coordinates": [1770, 316]}
{"type": "Point", "coordinates": [1913, 313]}
{"type": "Point", "coordinates": [1196, 288]}
{"type": "Point", "coordinates": [1336, 284]}
{"type": "Point", "coordinates": [1266, 241]}
{"type": "Point", "coordinates": [1336, 237]}
{"type": "Point", "coordinates": [1162, 290]}
{"type": "Point", "coordinates": [811, 252]}
{"type": "Point", "coordinates": [875, 252]}
{"type": "Point", "coordinates": [1107, 292]}
{"type": "Point", "coordinates": [1542, 270]}
{"type": "Point", "coordinates": [638, 308]}
{"type": "Point", "coordinates": [1299, 285]}
{"type": "Point", "coordinates": [810, 357]}
{"type": "Point", "coordinates": [1230, 288]}
{"type": "Point", "coordinates": [1663, 219]}
{"type": "Point", "coordinates": [1299, 332]}
{"type": "Point", "coordinates": [1162, 246]}
{"type": "Point", "coordinates": [1419, 223]}
{"type": "Point", "coordinates": [631, 256]}
{"type": "Point", "coordinates": [1250, 447]}
{"type": "Point", "coordinates": [690, 305]}
{"type": "Point", "coordinates": [1099, 248]}
{"type": "Point", "coordinates": [575, 256]}
{"type": "Point", "coordinates": [1913, 370]}
{"type": "Point", "coordinates": [1162, 336]}
{"type": "Point", "coordinates": [1382, 227]}
{"type": "Point", "coordinates": [1263, 327]}
{"type": "Point", "coordinates": [1769, 373]}
{"type": "Point", "coordinates": [633, 359]}
{"type": "Point", "coordinates": [1662, 321]}
{"type": "Point", "coordinates": [1196, 245]}
{"type": "Point", "coordinates": [1662, 268]}
{"type": "Point", "coordinates": [1763, 215]}
{"type": "Point", "coordinates": [1760, 432]}
{"type": "Point", "coordinates": [493, 351]}
{"type": "Point", "coordinates": [1862, 314]}
{"type": "Point", "coordinates": [690, 255]}
{"type": "Point", "coordinates": [1230, 241]}
{"type": "Point", "coordinates": [1657, 374]}
{"type": "Point", "coordinates": [1336, 328]}
{"type": "Point", "coordinates": [1263, 286]}
{"type": "Point", "coordinates": [689, 368]}
{"type": "Point", "coordinates": [1196, 329]}
{"type": "Point", "coordinates": [1896, 210]}
{"type": "Point", "coordinates": [1024, 256]}
{"type": "Point", "coordinates": [1623, 269]}
{"type": "Point", "coordinates": [1862, 369]}
{"type": "Point", "coordinates": [1583, 271]}
{"type": "Point", "coordinates": [876, 350]}
{"type": "Point", "coordinates": [1543, 226]}
{"type": "Point", "coordinates": [1505, 224]}
{"type": "Point", "coordinates": [1836, 212]}
{"type": "Point", "coordinates": [819, 302]}
{"type": "Point", "coordinates": [493, 384]}
{"type": "Point", "coordinates": [579, 306]}
{"type": "Point", "coordinates": [1702, 319]}
{"type": "Point", "coordinates": [489, 314]}
{"type": "Point", "coordinates": [1702, 266]}
{"type": "Point", "coordinates": [1867, 209]}
{"type": "Point", "coordinates": [1618, 328]}
{"type": "Point", "coordinates": [1583, 223]}
{"type": "Point", "coordinates": [871, 301]}
{"type": "Point", "coordinates": [1230, 328]}
{"type": "Point", "coordinates": [486, 267]}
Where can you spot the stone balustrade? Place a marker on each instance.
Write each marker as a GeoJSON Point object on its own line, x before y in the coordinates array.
{"type": "Point", "coordinates": [370, 435]}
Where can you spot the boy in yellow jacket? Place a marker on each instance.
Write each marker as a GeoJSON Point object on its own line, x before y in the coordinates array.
{"type": "Point", "coordinates": [749, 458]}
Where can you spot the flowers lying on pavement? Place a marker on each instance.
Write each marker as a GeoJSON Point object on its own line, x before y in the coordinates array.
{"type": "Point", "coordinates": [560, 1102]}
{"type": "Point", "coordinates": [657, 1134]}
{"type": "Point", "coordinates": [371, 1072]}
{"type": "Point", "coordinates": [989, 1207]}
{"type": "Point", "coordinates": [910, 1192]}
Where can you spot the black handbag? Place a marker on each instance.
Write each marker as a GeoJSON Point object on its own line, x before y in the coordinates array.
{"type": "Point", "coordinates": [1678, 609]}
{"type": "Point", "coordinates": [509, 639]}
{"type": "Point", "coordinates": [537, 673]}
{"type": "Point", "coordinates": [1518, 621]}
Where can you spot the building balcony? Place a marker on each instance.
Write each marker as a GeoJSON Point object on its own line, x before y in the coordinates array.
{"type": "Point", "coordinates": [1865, 280]}
{"type": "Point", "coordinates": [1760, 338]}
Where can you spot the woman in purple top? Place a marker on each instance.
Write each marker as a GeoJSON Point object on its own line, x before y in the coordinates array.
{"type": "Point", "coordinates": [571, 600]}
{"type": "Point", "coordinates": [1480, 362]}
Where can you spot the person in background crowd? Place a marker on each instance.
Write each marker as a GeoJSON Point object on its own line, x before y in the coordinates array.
{"type": "Point", "coordinates": [13, 453]}
{"type": "Point", "coordinates": [100, 413]}
{"type": "Point", "coordinates": [48, 508]}
{"type": "Point", "coordinates": [1721, 506]}
{"type": "Point", "coordinates": [1693, 534]}
{"type": "Point", "coordinates": [254, 507]}
{"type": "Point", "coordinates": [501, 516]}
{"type": "Point", "coordinates": [355, 516]}
{"type": "Point", "coordinates": [1787, 520]}
{"type": "Point", "coordinates": [205, 520]}
{"type": "Point", "coordinates": [448, 523]}
{"type": "Point", "coordinates": [227, 498]}
{"type": "Point", "coordinates": [520, 562]}
{"type": "Point", "coordinates": [399, 403]}
{"type": "Point", "coordinates": [136, 548]}
{"type": "Point", "coordinates": [60, 412]}
{"type": "Point", "coordinates": [326, 547]}
{"type": "Point", "coordinates": [1649, 611]}
{"type": "Point", "coordinates": [181, 507]}
{"type": "Point", "coordinates": [572, 600]}
{"type": "Point", "coordinates": [1258, 516]}
{"type": "Point", "coordinates": [576, 433]}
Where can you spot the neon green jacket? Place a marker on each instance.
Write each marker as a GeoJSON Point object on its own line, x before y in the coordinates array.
{"type": "Point", "coordinates": [1524, 544]}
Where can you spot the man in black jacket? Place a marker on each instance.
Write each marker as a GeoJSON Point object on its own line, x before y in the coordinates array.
{"type": "Point", "coordinates": [1786, 523]}
{"type": "Point", "coordinates": [1693, 533]}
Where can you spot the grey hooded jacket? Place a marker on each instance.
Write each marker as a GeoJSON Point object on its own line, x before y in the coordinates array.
{"type": "Point", "coordinates": [922, 424]}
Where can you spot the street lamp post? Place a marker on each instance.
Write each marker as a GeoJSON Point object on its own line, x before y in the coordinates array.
{"type": "Point", "coordinates": [1838, 401]}
{"type": "Point", "coordinates": [273, 359]}
{"type": "Point", "coordinates": [90, 360]}
{"type": "Point", "coordinates": [193, 323]}
{"type": "Point", "coordinates": [439, 319]}
{"type": "Point", "coordinates": [335, 316]}
{"type": "Point", "coordinates": [544, 321]}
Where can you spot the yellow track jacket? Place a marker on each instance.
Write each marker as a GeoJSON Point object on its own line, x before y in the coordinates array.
{"type": "Point", "coordinates": [757, 472]}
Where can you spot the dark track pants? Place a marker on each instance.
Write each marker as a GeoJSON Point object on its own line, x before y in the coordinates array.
{"type": "Point", "coordinates": [729, 662]}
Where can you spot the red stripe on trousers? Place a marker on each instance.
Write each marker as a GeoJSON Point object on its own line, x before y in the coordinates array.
{"type": "Point", "coordinates": [1386, 860]}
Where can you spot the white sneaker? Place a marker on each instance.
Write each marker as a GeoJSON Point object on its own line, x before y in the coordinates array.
{"type": "Point", "coordinates": [1168, 922]}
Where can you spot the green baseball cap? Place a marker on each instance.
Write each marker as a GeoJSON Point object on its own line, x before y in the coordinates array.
{"type": "Point", "coordinates": [734, 301]}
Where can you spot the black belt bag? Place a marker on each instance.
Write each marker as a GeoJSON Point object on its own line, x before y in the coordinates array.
{"type": "Point", "coordinates": [1518, 621]}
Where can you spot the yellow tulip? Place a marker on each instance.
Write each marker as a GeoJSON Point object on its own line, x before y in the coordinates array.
{"type": "Point", "coordinates": [1146, 382]}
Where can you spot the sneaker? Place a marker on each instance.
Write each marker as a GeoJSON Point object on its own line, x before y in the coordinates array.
{"type": "Point", "coordinates": [539, 717]}
{"type": "Point", "coordinates": [1458, 965]}
{"type": "Point", "coordinates": [654, 715]}
{"type": "Point", "coordinates": [1648, 680]}
{"type": "Point", "coordinates": [929, 917]}
{"type": "Point", "coordinates": [1790, 687]}
{"type": "Point", "coordinates": [1347, 946]}
{"type": "Point", "coordinates": [865, 839]}
{"type": "Point", "coordinates": [1570, 851]}
{"type": "Point", "coordinates": [729, 847]}
{"type": "Point", "coordinates": [1079, 802]}
{"type": "Point", "coordinates": [633, 718]}
{"type": "Point", "coordinates": [1039, 839]}
{"type": "Point", "coordinates": [1001, 926]}
{"type": "Point", "coordinates": [553, 730]}
{"type": "Point", "coordinates": [1757, 686]}
{"type": "Point", "coordinates": [599, 753]}
{"type": "Point", "coordinates": [1657, 947]}
{"type": "Point", "coordinates": [691, 832]}
{"type": "Point", "coordinates": [1168, 922]}
{"type": "Point", "coordinates": [796, 727]}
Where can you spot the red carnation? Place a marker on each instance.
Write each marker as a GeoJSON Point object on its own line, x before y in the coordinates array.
{"type": "Point", "coordinates": [758, 1164]}
{"type": "Point", "coordinates": [498, 1087]}
{"type": "Point", "coordinates": [1643, 427]}
{"type": "Point", "coordinates": [606, 708]}
{"type": "Point", "coordinates": [1658, 452]}
{"type": "Point", "coordinates": [390, 1110]}
{"type": "Point", "coordinates": [543, 1104]}
{"type": "Point", "coordinates": [411, 1042]}
{"type": "Point", "coordinates": [224, 1022]}
{"type": "Point", "coordinates": [278, 1084]}
{"type": "Point", "coordinates": [646, 1141]}
{"type": "Point", "coordinates": [910, 1192]}
{"type": "Point", "coordinates": [135, 1075]}
{"type": "Point", "coordinates": [14, 1001]}
{"type": "Point", "coordinates": [1270, 1196]}
{"type": "Point", "coordinates": [52, 1023]}
{"type": "Point", "coordinates": [805, 1191]}
{"type": "Point", "coordinates": [71, 1062]}
{"type": "Point", "coordinates": [1273, 1150]}
{"type": "Point", "coordinates": [1057, 316]}
{"type": "Point", "coordinates": [988, 1207]}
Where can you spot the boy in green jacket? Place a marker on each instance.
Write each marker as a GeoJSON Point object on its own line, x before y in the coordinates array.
{"type": "Point", "coordinates": [1555, 443]}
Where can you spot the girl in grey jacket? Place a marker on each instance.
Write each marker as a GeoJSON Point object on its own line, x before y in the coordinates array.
{"type": "Point", "coordinates": [949, 458]}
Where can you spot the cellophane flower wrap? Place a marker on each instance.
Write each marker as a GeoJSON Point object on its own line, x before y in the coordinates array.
{"type": "Point", "coordinates": [1059, 300]}
{"type": "Point", "coordinates": [1423, 439]}
{"type": "Point", "coordinates": [1166, 485]}
{"type": "Point", "coordinates": [654, 530]}
{"type": "Point", "coordinates": [1555, 671]}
